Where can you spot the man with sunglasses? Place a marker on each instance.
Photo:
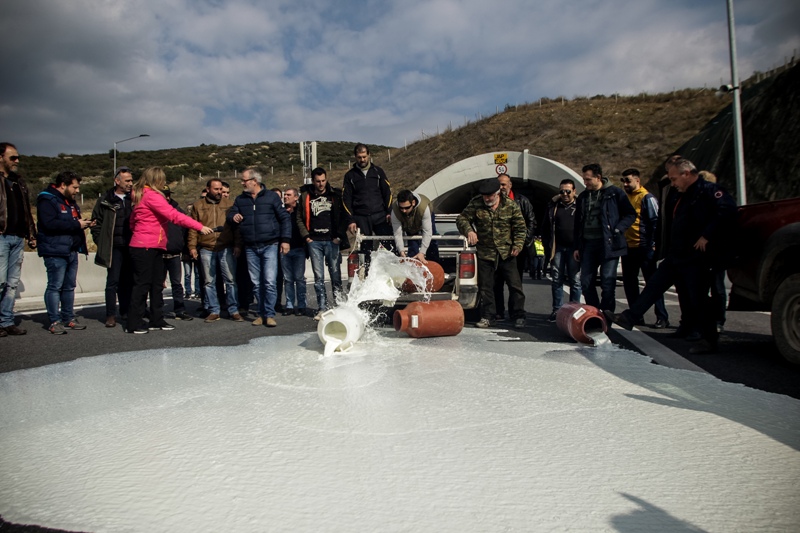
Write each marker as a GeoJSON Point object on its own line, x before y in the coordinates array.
{"type": "Point", "coordinates": [641, 243]}
{"type": "Point", "coordinates": [16, 226]}
{"type": "Point", "coordinates": [558, 238]}
{"type": "Point", "coordinates": [412, 214]}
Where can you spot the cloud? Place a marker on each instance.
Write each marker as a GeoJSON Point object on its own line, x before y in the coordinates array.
{"type": "Point", "coordinates": [87, 72]}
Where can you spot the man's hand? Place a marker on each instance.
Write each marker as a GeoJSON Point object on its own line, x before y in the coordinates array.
{"type": "Point", "coordinates": [472, 238]}
{"type": "Point", "coordinates": [701, 244]}
{"type": "Point", "coordinates": [421, 258]}
{"type": "Point", "coordinates": [352, 227]}
{"type": "Point", "coordinates": [237, 252]}
{"type": "Point", "coordinates": [32, 244]}
{"type": "Point", "coordinates": [576, 255]}
{"type": "Point", "coordinates": [206, 230]}
{"type": "Point", "coordinates": [86, 223]}
{"type": "Point", "coordinates": [238, 217]}
{"type": "Point", "coordinates": [284, 248]}
{"type": "Point", "coordinates": [514, 252]}
{"type": "Point", "coordinates": [193, 253]}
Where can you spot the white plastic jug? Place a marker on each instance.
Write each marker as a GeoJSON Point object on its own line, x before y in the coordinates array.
{"type": "Point", "coordinates": [339, 329]}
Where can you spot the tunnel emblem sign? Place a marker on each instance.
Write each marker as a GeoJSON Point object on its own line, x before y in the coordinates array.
{"type": "Point", "coordinates": [500, 159]}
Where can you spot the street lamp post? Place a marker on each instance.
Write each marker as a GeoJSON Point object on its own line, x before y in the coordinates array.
{"type": "Point", "coordinates": [738, 143]}
{"type": "Point", "coordinates": [114, 170]}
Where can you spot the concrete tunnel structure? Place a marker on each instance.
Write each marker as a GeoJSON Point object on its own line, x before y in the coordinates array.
{"type": "Point", "coordinates": [535, 177]}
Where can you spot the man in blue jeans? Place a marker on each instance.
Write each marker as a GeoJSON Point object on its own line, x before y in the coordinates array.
{"type": "Point", "coordinates": [265, 226]}
{"type": "Point", "coordinates": [603, 216]}
{"type": "Point", "coordinates": [322, 219]}
{"type": "Point", "coordinates": [61, 237]}
{"type": "Point", "coordinates": [293, 264]}
{"type": "Point", "coordinates": [558, 236]}
{"type": "Point", "coordinates": [16, 225]}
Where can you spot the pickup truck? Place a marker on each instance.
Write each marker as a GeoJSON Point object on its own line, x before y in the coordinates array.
{"type": "Point", "coordinates": [457, 258]}
{"type": "Point", "coordinates": [767, 275]}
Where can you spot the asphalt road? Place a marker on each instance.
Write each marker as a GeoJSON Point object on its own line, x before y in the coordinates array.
{"type": "Point", "coordinates": [747, 353]}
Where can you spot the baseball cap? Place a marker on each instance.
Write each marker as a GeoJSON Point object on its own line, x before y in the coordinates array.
{"type": "Point", "coordinates": [489, 186]}
{"type": "Point", "coordinates": [122, 169]}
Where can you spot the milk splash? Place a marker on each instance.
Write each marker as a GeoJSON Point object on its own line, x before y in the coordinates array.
{"type": "Point", "coordinates": [341, 327]}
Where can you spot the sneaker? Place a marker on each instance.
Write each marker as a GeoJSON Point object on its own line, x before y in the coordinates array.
{"type": "Point", "coordinates": [519, 323]}
{"type": "Point", "coordinates": [257, 322]}
{"type": "Point", "coordinates": [318, 316]}
{"type": "Point", "coordinates": [164, 326]}
{"type": "Point", "coordinates": [484, 323]}
{"type": "Point", "coordinates": [237, 317]}
{"type": "Point", "coordinates": [138, 331]}
{"type": "Point", "coordinates": [182, 316]}
{"type": "Point", "coordinates": [74, 324]}
{"type": "Point", "coordinates": [213, 317]}
{"type": "Point", "coordinates": [111, 321]}
{"type": "Point", "coordinates": [552, 317]}
{"type": "Point", "coordinates": [287, 311]}
{"type": "Point", "coordinates": [270, 322]}
{"type": "Point", "coordinates": [14, 330]}
{"type": "Point", "coordinates": [661, 324]}
{"type": "Point", "coordinates": [57, 329]}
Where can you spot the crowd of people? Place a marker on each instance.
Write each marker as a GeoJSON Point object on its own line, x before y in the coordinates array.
{"type": "Point", "coordinates": [232, 251]}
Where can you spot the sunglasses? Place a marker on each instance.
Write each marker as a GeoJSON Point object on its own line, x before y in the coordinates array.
{"type": "Point", "coordinates": [14, 157]}
{"type": "Point", "coordinates": [405, 207]}
{"type": "Point", "coordinates": [625, 180]}
{"type": "Point", "coordinates": [565, 191]}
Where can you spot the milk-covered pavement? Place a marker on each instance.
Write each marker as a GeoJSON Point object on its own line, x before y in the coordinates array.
{"type": "Point", "coordinates": [475, 432]}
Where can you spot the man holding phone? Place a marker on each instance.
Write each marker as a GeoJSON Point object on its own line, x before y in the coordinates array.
{"type": "Point", "coordinates": [62, 236]}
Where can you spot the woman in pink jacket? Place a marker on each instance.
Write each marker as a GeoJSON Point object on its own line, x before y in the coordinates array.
{"type": "Point", "coordinates": [149, 218]}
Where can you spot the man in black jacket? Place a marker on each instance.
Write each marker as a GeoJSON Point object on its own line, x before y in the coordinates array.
{"type": "Point", "coordinates": [176, 242]}
{"type": "Point", "coordinates": [699, 223]}
{"type": "Point", "coordinates": [16, 225]}
{"type": "Point", "coordinates": [367, 197]}
{"type": "Point", "coordinates": [558, 235]}
{"type": "Point", "coordinates": [603, 215]}
{"type": "Point", "coordinates": [112, 235]}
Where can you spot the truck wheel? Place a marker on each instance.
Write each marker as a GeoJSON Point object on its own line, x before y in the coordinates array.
{"type": "Point", "coordinates": [785, 318]}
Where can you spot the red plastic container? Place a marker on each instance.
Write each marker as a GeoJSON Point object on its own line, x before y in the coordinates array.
{"type": "Point", "coordinates": [579, 321]}
{"type": "Point", "coordinates": [434, 283]}
{"type": "Point", "coordinates": [443, 318]}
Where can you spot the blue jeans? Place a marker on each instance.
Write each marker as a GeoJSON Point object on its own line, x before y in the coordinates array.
{"type": "Point", "coordinates": [323, 252]}
{"type": "Point", "coordinates": [293, 265]}
{"type": "Point", "coordinates": [62, 277]}
{"type": "Point", "coordinates": [189, 268]}
{"type": "Point", "coordinates": [593, 256]}
{"type": "Point", "coordinates": [262, 265]}
{"type": "Point", "coordinates": [227, 267]}
{"type": "Point", "coordinates": [564, 269]}
{"type": "Point", "coordinates": [12, 250]}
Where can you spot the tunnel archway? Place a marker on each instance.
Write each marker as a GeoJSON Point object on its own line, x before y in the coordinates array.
{"type": "Point", "coordinates": [535, 177]}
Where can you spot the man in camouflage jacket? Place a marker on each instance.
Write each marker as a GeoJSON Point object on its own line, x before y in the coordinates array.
{"type": "Point", "coordinates": [495, 226]}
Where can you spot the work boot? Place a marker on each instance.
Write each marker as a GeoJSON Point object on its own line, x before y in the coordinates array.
{"type": "Point", "coordinates": [621, 319]}
{"type": "Point", "coordinates": [13, 330]}
{"type": "Point", "coordinates": [111, 321]}
{"type": "Point", "coordinates": [237, 317]}
{"type": "Point", "coordinates": [257, 322]}
{"type": "Point", "coordinates": [213, 317]}
{"type": "Point", "coordinates": [270, 322]}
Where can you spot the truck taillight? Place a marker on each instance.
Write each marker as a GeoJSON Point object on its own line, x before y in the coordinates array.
{"type": "Point", "coordinates": [352, 265]}
{"type": "Point", "coordinates": [466, 266]}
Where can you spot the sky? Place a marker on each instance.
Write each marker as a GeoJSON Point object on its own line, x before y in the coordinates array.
{"type": "Point", "coordinates": [82, 74]}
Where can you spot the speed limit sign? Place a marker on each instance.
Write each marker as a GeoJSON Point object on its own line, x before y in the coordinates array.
{"type": "Point", "coordinates": [501, 169]}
